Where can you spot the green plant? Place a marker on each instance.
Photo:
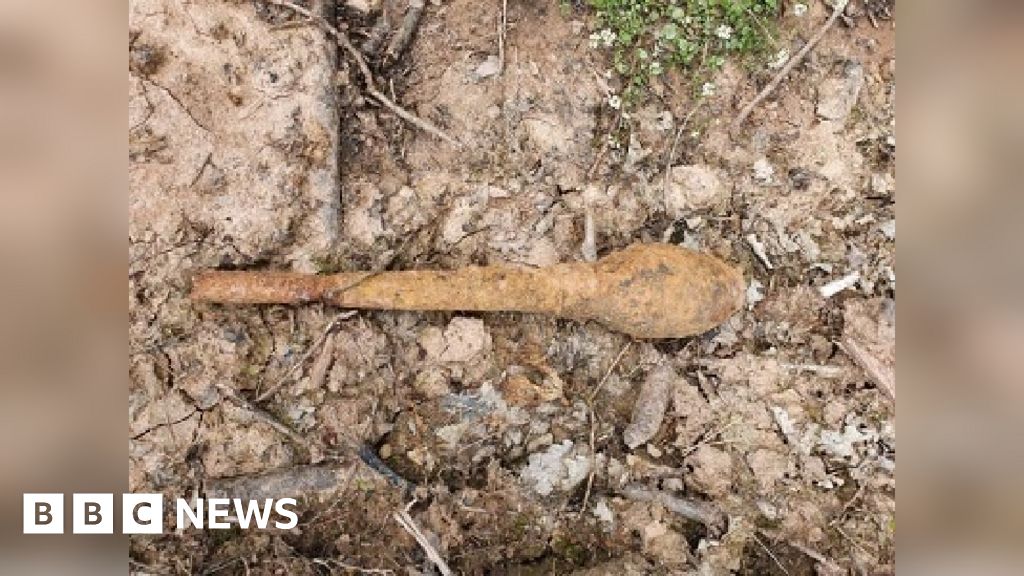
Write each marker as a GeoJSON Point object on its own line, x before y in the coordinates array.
{"type": "Point", "coordinates": [647, 37]}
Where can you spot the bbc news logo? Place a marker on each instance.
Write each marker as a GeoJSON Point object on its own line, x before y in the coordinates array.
{"type": "Point", "coordinates": [144, 513]}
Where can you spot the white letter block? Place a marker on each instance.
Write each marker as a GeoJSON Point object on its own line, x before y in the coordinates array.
{"type": "Point", "coordinates": [142, 514]}
{"type": "Point", "coordinates": [92, 514]}
{"type": "Point", "coordinates": [43, 513]}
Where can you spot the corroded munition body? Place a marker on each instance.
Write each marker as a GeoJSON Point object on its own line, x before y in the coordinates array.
{"type": "Point", "coordinates": [646, 290]}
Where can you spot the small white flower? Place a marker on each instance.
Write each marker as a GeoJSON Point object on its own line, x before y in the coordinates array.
{"type": "Point", "coordinates": [608, 37]}
{"type": "Point", "coordinates": [614, 101]}
{"type": "Point", "coordinates": [780, 59]}
{"type": "Point", "coordinates": [656, 68]}
{"type": "Point", "coordinates": [724, 31]}
{"type": "Point", "coordinates": [799, 9]}
{"type": "Point", "coordinates": [708, 89]}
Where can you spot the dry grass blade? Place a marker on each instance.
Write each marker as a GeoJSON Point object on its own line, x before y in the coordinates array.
{"type": "Point", "coordinates": [406, 521]}
{"type": "Point", "coordinates": [745, 112]}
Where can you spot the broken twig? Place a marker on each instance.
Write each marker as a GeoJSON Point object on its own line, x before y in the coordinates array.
{"type": "Point", "coordinates": [593, 425]}
{"type": "Point", "coordinates": [701, 512]}
{"type": "Point", "coordinates": [331, 327]}
{"type": "Point", "coordinates": [770, 554]}
{"type": "Point", "coordinates": [364, 69]}
{"type": "Point", "coordinates": [402, 40]}
{"type": "Point", "coordinates": [264, 416]}
{"type": "Point", "coordinates": [879, 372]}
{"type": "Point", "coordinates": [502, 30]}
{"type": "Point", "coordinates": [406, 521]}
{"type": "Point", "coordinates": [840, 5]}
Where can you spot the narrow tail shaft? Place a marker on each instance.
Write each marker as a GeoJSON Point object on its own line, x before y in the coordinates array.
{"type": "Point", "coordinates": [488, 288]}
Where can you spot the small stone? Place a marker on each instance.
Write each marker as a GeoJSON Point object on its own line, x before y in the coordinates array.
{"type": "Point", "coordinates": [693, 188]}
{"type": "Point", "coordinates": [784, 422]}
{"type": "Point", "coordinates": [431, 382]}
{"type": "Point", "coordinates": [712, 471]}
{"type": "Point", "coordinates": [834, 413]}
{"type": "Point", "coordinates": [603, 513]}
{"type": "Point", "coordinates": [451, 434]}
{"type": "Point", "coordinates": [755, 293]}
{"type": "Point", "coordinates": [673, 484]}
{"type": "Point", "coordinates": [559, 467]}
{"type": "Point", "coordinates": [363, 6]}
{"type": "Point", "coordinates": [654, 451]}
{"type": "Point", "coordinates": [763, 171]}
{"type": "Point", "coordinates": [840, 445]}
{"type": "Point", "coordinates": [465, 211]}
{"type": "Point", "coordinates": [838, 96]}
{"type": "Point", "coordinates": [491, 66]}
{"type": "Point", "coordinates": [768, 510]}
{"type": "Point", "coordinates": [539, 442]}
{"type": "Point", "coordinates": [888, 229]}
{"type": "Point", "coordinates": [880, 184]}
{"type": "Point", "coordinates": [768, 467]}
{"type": "Point", "coordinates": [665, 121]}
{"type": "Point", "coordinates": [432, 341]}
{"type": "Point", "coordinates": [649, 410]}
{"type": "Point", "coordinates": [464, 339]}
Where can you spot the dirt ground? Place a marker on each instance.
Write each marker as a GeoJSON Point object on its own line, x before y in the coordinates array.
{"type": "Point", "coordinates": [510, 438]}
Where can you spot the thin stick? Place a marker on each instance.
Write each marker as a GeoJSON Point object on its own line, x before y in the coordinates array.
{"type": "Point", "coordinates": [264, 416]}
{"type": "Point", "coordinates": [871, 14]}
{"type": "Point", "coordinates": [603, 151]}
{"type": "Point", "coordinates": [593, 459]}
{"type": "Point", "coordinates": [819, 558]}
{"type": "Point", "coordinates": [593, 424]}
{"type": "Point", "coordinates": [593, 393]}
{"type": "Point", "coordinates": [796, 59]}
{"type": "Point", "coordinates": [589, 248]}
{"type": "Point", "coordinates": [777, 562]}
{"type": "Point", "coordinates": [879, 372]}
{"type": "Point", "coordinates": [364, 69]}
{"type": "Point", "coordinates": [671, 156]}
{"type": "Point", "coordinates": [694, 510]}
{"type": "Point", "coordinates": [411, 21]}
{"type": "Point", "coordinates": [502, 27]}
{"type": "Point", "coordinates": [406, 521]}
{"type": "Point", "coordinates": [377, 34]}
{"type": "Point", "coordinates": [328, 562]}
{"type": "Point", "coordinates": [331, 326]}
{"type": "Point", "coordinates": [412, 118]}
{"type": "Point", "coordinates": [675, 142]}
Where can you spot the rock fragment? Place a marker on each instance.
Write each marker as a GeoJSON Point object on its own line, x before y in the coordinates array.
{"type": "Point", "coordinates": [869, 338]}
{"type": "Point", "coordinates": [464, 338]}
{"type": "Point", "coordinates": [768, 467]}
{"type": "Point", "coordinates": [649, 410]}
{"type": "Point", "coordinates": [712, 471]}
{"type": "Point", "coordinates": [691, 188]}
{"type": "Point", "coordinates": [838, 96]}
{"type": "Point", "coordinates": [491, 66]}
{"type": "Point", "coordinates": [559, 467]}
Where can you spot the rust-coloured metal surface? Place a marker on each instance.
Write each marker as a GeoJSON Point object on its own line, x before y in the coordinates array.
{"type": "Point", "coordinates": [645, 290]}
